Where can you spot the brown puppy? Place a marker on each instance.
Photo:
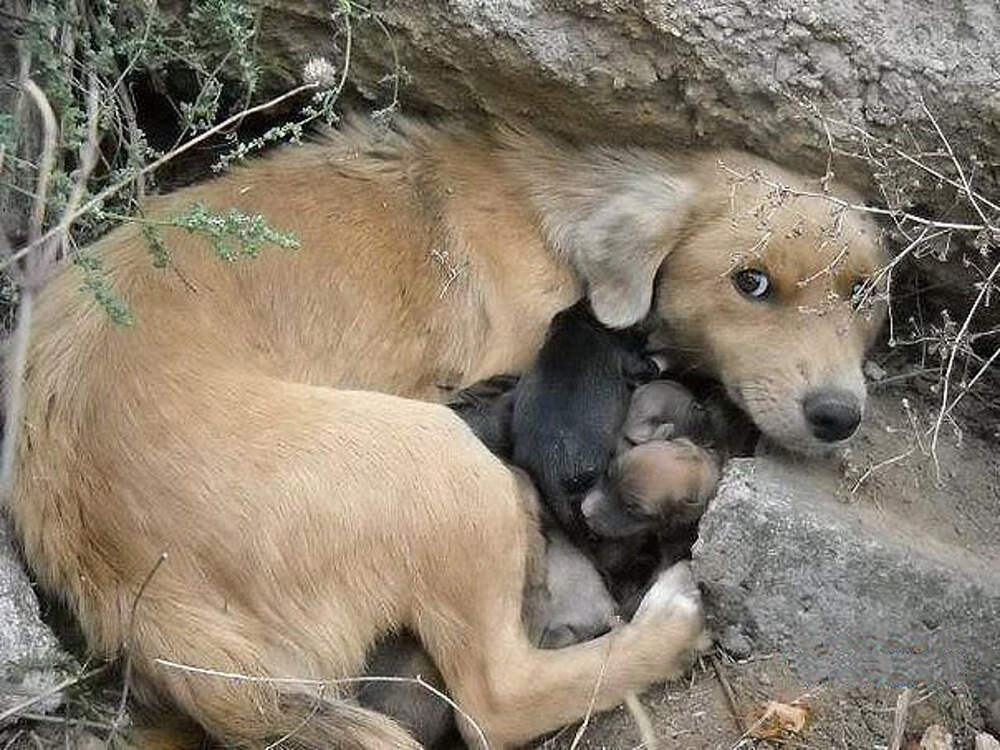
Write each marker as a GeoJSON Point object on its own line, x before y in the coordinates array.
{"type": "Point", "coordinates": [649, 486]}
{"type": "Point", "coordinates": [644, 513]}
{"type": "Point", "coordinates": [664, 409]}
{"type": "Point", "coordinates": [431, 258]}
{"type": "Point", "coordinates": [662, 475]}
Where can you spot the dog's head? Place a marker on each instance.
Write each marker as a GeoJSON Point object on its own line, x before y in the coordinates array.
{"type": "Point", "coordinates": [775, 292]}
{"type": "Point", "coordinates": [778, 296]}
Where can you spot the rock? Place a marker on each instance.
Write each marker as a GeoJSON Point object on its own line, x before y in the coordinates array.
{"type": "Point", "coordinates": [993, 716]}
{"type": "Point", "coordinates": [851, 594]}
{"type": "Point", "coordinates": [717, 73]}
{"type": "Point", "coordinates": [986, 742]}
{"type": "Point", "coordinates": [874, 371]}
{"type": "Point", "coordinates": [31, 661]}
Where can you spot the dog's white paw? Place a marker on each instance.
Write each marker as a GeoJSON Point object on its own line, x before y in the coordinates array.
{"type": "Point", "coordinates": [673, 596]}
{"type": "Point", "coordinates": [673, 593]}
{"type": "Point", "coordinates": [673, 605]}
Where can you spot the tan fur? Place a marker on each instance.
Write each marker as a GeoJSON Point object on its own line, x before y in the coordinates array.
{"type": "Point", "coordinates": [662, 476]}
{"type": "Point", "coordinates": [302, 522]}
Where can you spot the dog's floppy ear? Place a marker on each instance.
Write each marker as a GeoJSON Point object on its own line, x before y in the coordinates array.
{"type": "Point", "coordinates": [614, 213]}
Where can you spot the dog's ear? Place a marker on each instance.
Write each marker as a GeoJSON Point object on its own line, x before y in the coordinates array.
{"type": "Point", "coordinates": [613, 212]}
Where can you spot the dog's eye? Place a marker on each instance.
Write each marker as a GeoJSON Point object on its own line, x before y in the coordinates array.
{"type": "Point", "coordinates": [752, 282]}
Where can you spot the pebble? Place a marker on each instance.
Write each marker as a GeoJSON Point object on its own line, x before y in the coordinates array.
{"type": "Point", "coordinates": [735, 643]}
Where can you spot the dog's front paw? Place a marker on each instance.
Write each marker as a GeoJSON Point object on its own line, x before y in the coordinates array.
{"type": "Point", "coordinates": [673, 593]}
{"type": "Point", "coordinates": [674, 602]}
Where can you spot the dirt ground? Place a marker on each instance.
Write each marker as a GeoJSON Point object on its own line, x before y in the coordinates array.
{"type": "Point", "coordinates": [698, 715]}
{"type": "Point", "coordinates": [695, 714]}
{"type": "Point", "coordinates": [950, 494]}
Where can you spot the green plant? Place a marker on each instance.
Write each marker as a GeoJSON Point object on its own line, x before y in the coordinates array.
{"type": "Point", "coordinates": [99, 161]}
{"type": "Point", "coordinates": [75, 160]}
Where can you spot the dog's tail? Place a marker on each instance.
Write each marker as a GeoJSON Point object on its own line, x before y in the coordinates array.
{"type": "Point", "coordinates": [311, 723]}
{"type": "Point", "coordinates": [303, 722]}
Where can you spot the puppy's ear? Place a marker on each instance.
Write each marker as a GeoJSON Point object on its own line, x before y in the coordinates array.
{"type": "Point", "coordinates": [613, 212]}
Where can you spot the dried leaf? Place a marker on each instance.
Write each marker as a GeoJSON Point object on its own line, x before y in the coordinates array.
{"type": "Point", "coordinates": [778, 719]}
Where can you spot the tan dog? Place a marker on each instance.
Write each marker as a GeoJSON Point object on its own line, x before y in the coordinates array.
{"type": "Point", "coordinates": [303, 522]}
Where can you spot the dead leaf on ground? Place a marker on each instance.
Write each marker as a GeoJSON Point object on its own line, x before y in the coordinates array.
{"type": "Point", "coordinates": [778, 719]}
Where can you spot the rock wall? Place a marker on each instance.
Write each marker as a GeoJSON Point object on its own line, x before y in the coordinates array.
{"type": "Point", "coordinates": [798, 82]}
{"type": "Point", "coordinates": [738, 72]}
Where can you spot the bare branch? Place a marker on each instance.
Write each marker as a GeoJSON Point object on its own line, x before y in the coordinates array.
{"type": "Point", "coordinates": [963, 331]}
{"type": "Point", "coordinates": [756, 176]}
{"type": "Point", "coordinates": [130, 650]}
{"type": "Point", "coordinates": [966, 188]}
{"type": "Point", "coordinates": [18, 354]}
{"type": "Point", "coordinates": [321, 684]}
{"type": "Point", "coordinates": [20, 708]}
{"type": "Point", "coordinates": [89, 153]}
{"type": "Point", "coordinates": [46, 162]}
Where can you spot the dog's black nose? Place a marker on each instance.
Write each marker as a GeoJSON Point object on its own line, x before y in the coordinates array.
{"type": "Point", "coordinates": [832, 414]}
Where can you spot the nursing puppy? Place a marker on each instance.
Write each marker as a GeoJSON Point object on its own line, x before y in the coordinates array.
{"type": "Point", "coordinates": [561, 420]}
{"type": "Point", "coordinates": [699, 411]}
{"type": "Point", "coordinates": [651, 486]}
{"type": "Point", "coordinates": [225, 426]}
{"type": "Point", "coordinates": [662, 476]}
{"type": "Point", "coordinates": [568, 408]}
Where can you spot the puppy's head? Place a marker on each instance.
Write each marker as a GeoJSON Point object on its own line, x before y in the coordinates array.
{"type": "Point", "coordinates": [649, 485]}
{"type": "Point", "coordinates": [776, 295]}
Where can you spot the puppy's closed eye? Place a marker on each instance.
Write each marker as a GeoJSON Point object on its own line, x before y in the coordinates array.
{"type": "Point", "coordinates": [611, 518]}
{"type": "Point", "coordinates": [581, 481]}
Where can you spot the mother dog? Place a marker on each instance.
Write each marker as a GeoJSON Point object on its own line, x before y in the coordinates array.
{"type": "Point", "coordinates": [301, 522]}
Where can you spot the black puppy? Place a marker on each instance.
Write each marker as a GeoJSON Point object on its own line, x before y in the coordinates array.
{"type": "Point", "coordinates": [488, 407]}
{"type": "Point", "coordinates": [643, 509]}
{"type": "Point", "coordinates": [561, 420]}
{"type": "Point", "coordinates": [568, 409]}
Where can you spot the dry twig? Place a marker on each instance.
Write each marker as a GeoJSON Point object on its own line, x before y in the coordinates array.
{"type": "Point", "coordinates": [593, 696]}
{"type": "Point", "coordinates": [152, 167]}
{"type": "Point", "coordinates": [899, 720]}
{"type": "Point", "coordinates": [727, 688]}
{"type": "Point", "coordinates": [130, 651]}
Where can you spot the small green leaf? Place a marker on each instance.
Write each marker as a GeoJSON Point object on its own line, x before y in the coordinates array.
{"type": "Point", "coordinates": [96, 282]}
